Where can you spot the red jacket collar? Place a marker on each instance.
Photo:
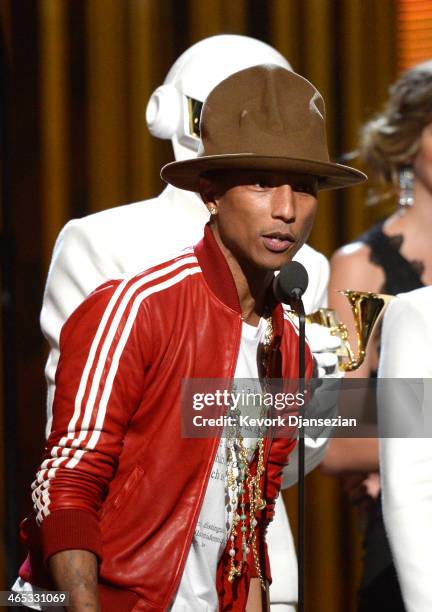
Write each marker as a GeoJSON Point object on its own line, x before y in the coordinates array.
{"type": "Point", "coordinates": [220, 280]}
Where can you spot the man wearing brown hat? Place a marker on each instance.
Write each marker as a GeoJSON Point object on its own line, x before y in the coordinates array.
{"type": "Point", "coordinates": [128, 514]}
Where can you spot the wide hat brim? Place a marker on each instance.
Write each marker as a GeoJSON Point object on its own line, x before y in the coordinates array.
{"type": "Point", "coordinates": [186, 174]}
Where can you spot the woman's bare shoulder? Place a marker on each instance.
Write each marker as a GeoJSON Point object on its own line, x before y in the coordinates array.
{"type": "Point", "coordinates": [352, 265]}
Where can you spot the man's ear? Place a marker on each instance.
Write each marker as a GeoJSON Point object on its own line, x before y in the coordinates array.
{"type": "Point", "coordinates": [208, 195]}
{"type": "Point", "coordinates": [206, 190]}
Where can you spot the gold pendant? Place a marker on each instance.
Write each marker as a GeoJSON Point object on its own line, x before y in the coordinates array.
{"type": "Point", "coordinates": [261, 504]}
{"type": "Point", "coordinates": [234, 572]}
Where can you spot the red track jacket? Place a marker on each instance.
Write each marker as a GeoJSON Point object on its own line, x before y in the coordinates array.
{"type": "Point", "coordinates": [117, 477]}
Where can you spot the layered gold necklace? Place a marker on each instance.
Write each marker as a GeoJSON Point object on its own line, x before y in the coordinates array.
{"type": "Point", "coordinates": [243, 485]}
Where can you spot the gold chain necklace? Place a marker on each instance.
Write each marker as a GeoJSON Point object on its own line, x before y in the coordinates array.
{"type": "Point", "coordinates": [240, 481]}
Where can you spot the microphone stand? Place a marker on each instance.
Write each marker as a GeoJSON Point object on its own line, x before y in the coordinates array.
{"type": "Point", "coordinates": [298, 304]}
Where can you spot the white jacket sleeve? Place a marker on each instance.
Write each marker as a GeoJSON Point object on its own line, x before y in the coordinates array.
{"type": "Point", "coordinates": [76, 269]}
{"type": "Point", "coordinates": [74, 272]}
{"type": "Point", "coordinates": [314, 454]}
{"type": "Point", "coordinates": [406, 463]}
{"type": "Point", "coordinates": [318, 269]}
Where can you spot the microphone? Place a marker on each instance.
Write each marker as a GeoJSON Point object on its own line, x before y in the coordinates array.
{"type": "Point", "coordinates": [288, 286]}
{"type": "Point", "coordinates": [291, 282]}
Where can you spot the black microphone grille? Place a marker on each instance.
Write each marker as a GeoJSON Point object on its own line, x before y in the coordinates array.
{"type": "Point", "coordinates": [292, 278]}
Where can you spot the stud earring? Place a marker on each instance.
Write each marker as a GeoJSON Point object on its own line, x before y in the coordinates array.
{"type": "Point", "coordinates": [213, 211]}
{"type": "Point", "coordinates": [406, 187]}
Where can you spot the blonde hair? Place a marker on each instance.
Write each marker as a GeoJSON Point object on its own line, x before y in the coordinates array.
{"type": "Point", "coordinates": [390, 140]}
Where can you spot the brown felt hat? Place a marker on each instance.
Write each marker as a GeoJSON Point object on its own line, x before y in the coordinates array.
{"type": "Point", "coordinates": [263, 118]}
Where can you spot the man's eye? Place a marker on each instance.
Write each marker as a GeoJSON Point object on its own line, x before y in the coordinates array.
{"type": "Point", "coordinates": [261, 184]}
{"type": "Point", "coordinates": [305, 189]}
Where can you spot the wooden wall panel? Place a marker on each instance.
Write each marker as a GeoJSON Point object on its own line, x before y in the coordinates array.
{"type": "Point", "coordinates": [5, 51]}
{"type": "Point", "coordinates": [318, 36]}
{"type": "Point", "coordinates": [22, 246]}
{"type": "Point", "coordinates": [352, 49]}
{"type": "Point", "coordinates": [106, 104]}
{"type": "Point", "coordinates": [143, 38]}
{"type": "Point", "coordinates": [284, 19]}
{"type": "Point", "coordinates": [216, 16]}
{"type": "Point", "coordinates": [55, 111]}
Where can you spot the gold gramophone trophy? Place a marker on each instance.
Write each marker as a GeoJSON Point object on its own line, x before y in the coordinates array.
{"type": "Point", "coordinates": [367, 309]}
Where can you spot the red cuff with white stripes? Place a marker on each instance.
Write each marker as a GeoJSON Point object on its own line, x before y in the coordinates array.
{"type": "Point", "coordinates": [71, 529]}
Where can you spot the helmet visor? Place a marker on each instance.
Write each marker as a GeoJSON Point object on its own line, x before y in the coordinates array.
{"type": "Point", "coordinates": [194, 113]}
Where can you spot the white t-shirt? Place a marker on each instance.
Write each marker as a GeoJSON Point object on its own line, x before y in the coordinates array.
{"type": "Point", "coordinates": [197, 589]}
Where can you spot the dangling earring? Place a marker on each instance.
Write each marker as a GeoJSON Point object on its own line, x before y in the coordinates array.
{"type": "Point", "coordinates": [406, 187]}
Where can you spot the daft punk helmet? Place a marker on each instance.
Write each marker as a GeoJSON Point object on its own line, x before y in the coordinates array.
{"type": "Point", "coordinates": [174, 108]}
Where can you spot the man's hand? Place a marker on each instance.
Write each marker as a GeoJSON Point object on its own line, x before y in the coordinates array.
{"type": "Point", "coordinates": [362, 489]}
{"type": "Point", "coordinates": [324, 346]}
{"type": "Point", "coordinates": [75, 571]}
{"type": "Point", "coordinates": [324, 402]}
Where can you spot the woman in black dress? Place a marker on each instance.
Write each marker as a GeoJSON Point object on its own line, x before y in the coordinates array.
{"type": "Point", "coordinates": [392, 257]}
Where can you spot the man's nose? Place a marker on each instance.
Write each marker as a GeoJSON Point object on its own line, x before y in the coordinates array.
{"type": "Point", "coordinates": [283, 204]}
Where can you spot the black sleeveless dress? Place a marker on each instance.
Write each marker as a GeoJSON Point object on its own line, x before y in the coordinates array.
{"type": "Point", "coordinates": [379, 590]}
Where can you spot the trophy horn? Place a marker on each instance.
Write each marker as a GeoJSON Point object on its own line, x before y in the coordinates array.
{"type": "Point", "coordinates": [367, 309]}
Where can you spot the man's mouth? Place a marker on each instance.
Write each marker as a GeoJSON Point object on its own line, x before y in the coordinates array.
{"type": "Point", "coordinates": [277, 242]}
